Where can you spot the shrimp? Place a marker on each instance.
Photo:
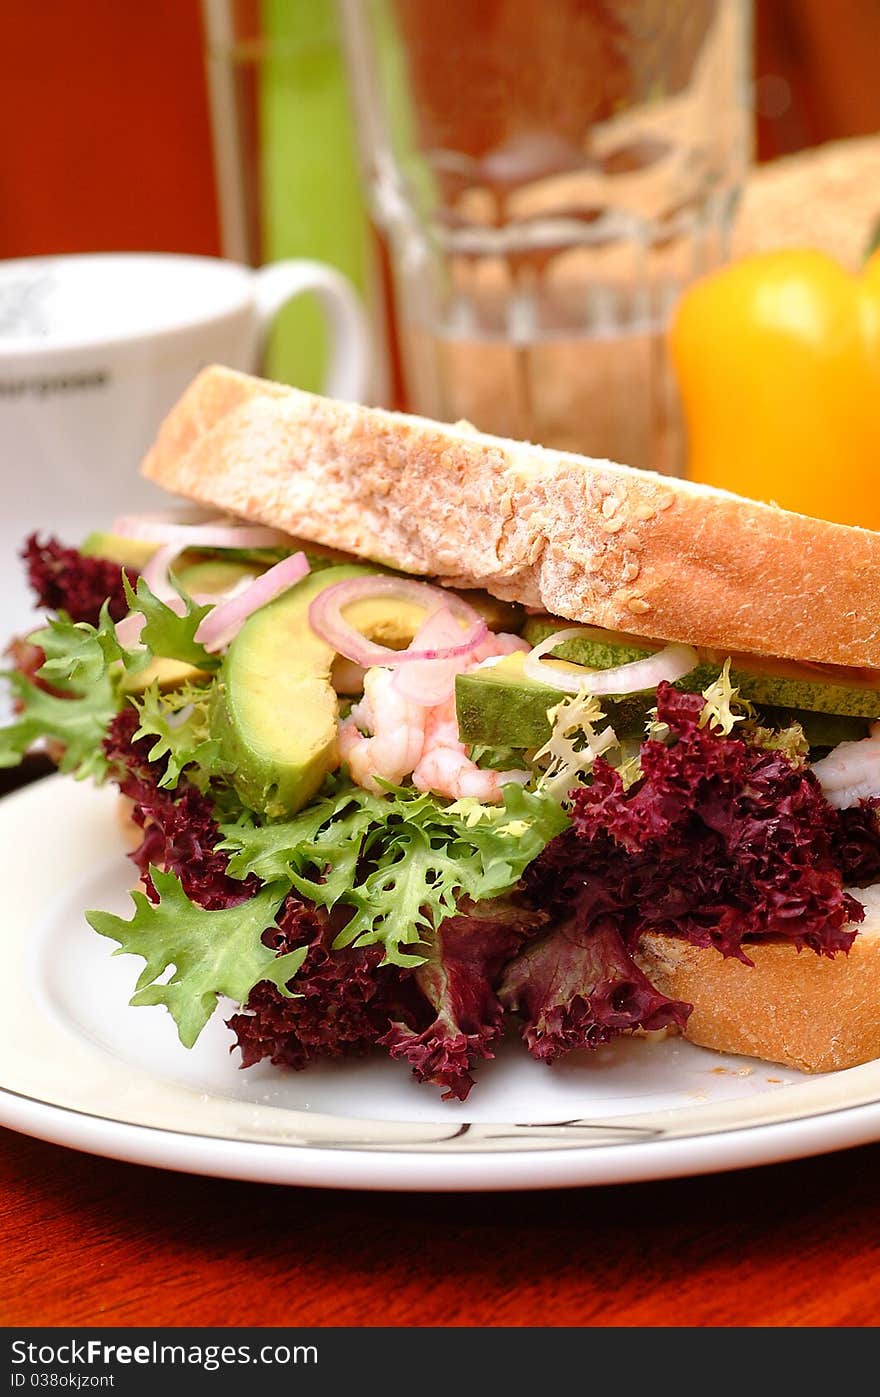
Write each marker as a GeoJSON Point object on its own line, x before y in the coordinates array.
{"type": "Point", "coordinates": [851, 772]}
{"type": "Point", "coordinates": [449, 771]}
{"type": "Point", "coordinates": [389, 735]}
{"type": "Point", "coordinates": [446, 769]}
{"type": "Point", "coordinates": [392, 746]}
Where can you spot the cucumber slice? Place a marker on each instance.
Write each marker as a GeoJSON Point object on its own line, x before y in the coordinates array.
{"type": "Point", "coordinates": [761, 679]}
{"type": "Point", "coordinates": [500, 707]}
{"type": "Point", "coordinates": [820, 729]}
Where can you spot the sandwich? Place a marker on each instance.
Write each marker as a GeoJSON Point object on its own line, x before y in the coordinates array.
{"type": "Point", "coordinates": [425, 738]}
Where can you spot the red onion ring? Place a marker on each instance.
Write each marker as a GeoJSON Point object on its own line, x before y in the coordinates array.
{"type": "Point", "coordinates": [156, 572]}
{"type": "Point", "coordinates": [326, 619]}
{"type": "Point", "coordinates": [671, 663]}
{"type": "Point", "coordinates": [220, 627]}
{"type": "Point", "coordinates": [226, 619]}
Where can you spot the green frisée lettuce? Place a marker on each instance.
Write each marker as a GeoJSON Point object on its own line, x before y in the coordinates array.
{"type": "Point", "coordinates": [79, 654]}
{"type": "Point", "coordinates": [78, 725]}
{"type": "Point", "coordinates": [179, 723]}
{"type": "Point", "coordinates": [724, 706]}
{"type": "Point", "coordinates": [399, 862]}
{"type": "Point", "coordinates": [211, 953]}
{"type": "Point", "coordinates": [165, 632]}
{"type": "Point", "coordinates": [576, 741]}
{"type": "Point", "coordinates": [86, 667]}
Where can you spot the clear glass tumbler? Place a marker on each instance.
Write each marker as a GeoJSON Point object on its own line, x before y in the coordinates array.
{"type": "Point", "coordinates": [546, 176]}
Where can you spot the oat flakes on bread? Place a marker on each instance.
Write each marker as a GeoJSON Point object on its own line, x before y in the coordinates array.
{"type": "Point", "coordinates": [586, 540]}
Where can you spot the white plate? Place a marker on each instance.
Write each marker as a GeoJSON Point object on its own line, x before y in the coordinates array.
{"type": "Point", "coordinates": [79, 1067]}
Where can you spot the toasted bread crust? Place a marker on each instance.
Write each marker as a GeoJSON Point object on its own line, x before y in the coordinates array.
{"type": "Point", "coordinates": [587, 540]}
{"type": "Point", "coordinates": [798, 1009]}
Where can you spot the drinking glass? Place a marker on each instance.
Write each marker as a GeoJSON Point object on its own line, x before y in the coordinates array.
{"type": "Point", "coordinates": [546, 176]}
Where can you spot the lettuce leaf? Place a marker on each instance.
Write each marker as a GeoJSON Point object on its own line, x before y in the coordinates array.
{"type": "Point", "coordinates": [211, 953]}
{"type": "Point", "coordinates": [320, 835]}
{"type": "Point", "coordinates": [498, 758]}
{"type": "Point", "coordinates": [179, 724]}
{"type": "Point", "coordinates": [65, 579]}
{"type": "Point", "coordinates": [78, 724]}
{"type": "Point", "coordinates": [168, 633]}
{"type": "Point", "coordinates": [79, 654]}
{"type": "Point", "coordinates": [397, 863]}
{"type": "Point", "coordinates": [84, 666]}
{"type": "Point", "coordinates": [458, 980]}
{"type": "Point", "coordinates": [578, 986]}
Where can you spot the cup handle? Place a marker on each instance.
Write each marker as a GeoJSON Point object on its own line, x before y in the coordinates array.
{"type": "Point", "coordinates": [347, 374]}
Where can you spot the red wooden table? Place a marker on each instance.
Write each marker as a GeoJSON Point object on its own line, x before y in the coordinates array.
{"type": "Point", "coordinates": [89, 1241]}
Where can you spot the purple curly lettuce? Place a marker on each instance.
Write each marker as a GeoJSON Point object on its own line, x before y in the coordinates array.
{"type": "Point", "coordinates": [63, 579]}
{"type": "Point", "coordinates": [344, 999]}
{"type": "Point", "coordinates": [458, 980]}
{"type": "Point", "coordinates": [578, 987]}
{"type": "Point", "coordinates": [857, 843]}
{"type": "Point", "coordinates": [718, 842]}
{"type": "Point", "coordinates": [180, 833]}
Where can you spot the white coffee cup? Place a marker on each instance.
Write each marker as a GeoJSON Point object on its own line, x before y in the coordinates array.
{"type": "Point", "coordinates": [95, 349]}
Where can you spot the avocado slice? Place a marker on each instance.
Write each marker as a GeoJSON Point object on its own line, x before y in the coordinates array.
{"type": "Point", "coordinates": [137, 552]}
{"type": "Point", "coordinates": [127, 552]}
{"type": "Point", "coordinates": [500, 706]}
{"type": "Point", "coordinates": [275, 710]}
{"type": "Point", "coordinates": [396, 625]}
{"type": "Point", "coordinates": [165, 674]}
{"type": "Point", "coordinates": [213, 576]}
{"type": "Point", "coordinates": [759, 678]}
{"type": "Point", "coordinates": [387, 622]}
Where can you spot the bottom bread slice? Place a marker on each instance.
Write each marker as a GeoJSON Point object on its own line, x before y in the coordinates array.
{"type": "Point", "coordinates": [795, 1008]}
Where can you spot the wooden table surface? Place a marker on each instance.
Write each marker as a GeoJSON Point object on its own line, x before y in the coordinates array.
{"type": "Point", "coordinates": [89, 1241]}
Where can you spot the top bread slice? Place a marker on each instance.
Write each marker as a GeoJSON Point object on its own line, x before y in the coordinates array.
{"type": "Point", "coordinates": [587, 540]}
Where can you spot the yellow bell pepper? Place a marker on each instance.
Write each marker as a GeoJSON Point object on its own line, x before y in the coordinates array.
{"type": "Point", "coordinates": [778, 364]}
